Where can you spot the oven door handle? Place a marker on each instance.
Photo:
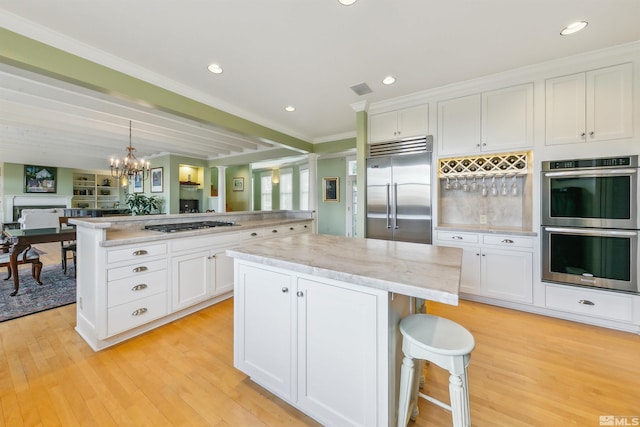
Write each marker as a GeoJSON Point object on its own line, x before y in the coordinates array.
{"type": "Point", "coordinates": [591, 173]}
{"type": "Point", "coordinates": [591, 232]}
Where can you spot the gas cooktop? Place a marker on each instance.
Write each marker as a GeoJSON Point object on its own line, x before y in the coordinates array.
{"type": "Point", "coordinates": [187, 226]}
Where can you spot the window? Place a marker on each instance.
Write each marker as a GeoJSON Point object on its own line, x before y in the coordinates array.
{"type": "Point", "coordinates": [266, 190]}
{"type": "Point", "coordinates": [304, 189]}
{"type": "Point", "coordinates": [286, 189]}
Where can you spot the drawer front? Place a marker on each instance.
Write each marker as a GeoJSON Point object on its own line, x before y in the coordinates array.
{"type": "Point", "coordinates": [508, 241]}
{"type": "Point", "coordinates": [135, 270]}
{"type": "Point", "coordinates": [208, 241]}
{"type": "Point", "coordinates": [448, 237]}
{"type": "Point", "coordinates": [576, 300]}
{"type": "Point", "coordinates": [136, 313]}
{"type": "Point", "coordinates": [137, 287]}
{"type": "Point", "coordinates": [134, 253]}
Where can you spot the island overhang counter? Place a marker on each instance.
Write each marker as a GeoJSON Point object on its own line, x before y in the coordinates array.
{"type": "Point", "coordinates": [316, 319]}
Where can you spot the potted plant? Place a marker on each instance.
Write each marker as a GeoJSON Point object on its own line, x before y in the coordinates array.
{"type": "Point", "coordinates": [139, 204]}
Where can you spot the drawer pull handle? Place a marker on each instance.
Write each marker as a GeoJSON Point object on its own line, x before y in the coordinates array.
{"type": "Point", "coordinates": [139, 269]}
{"type": "Point", "coordinates": [254, 234]}
{"type": "Point", "coordinates": [285, 289]}
{"type": "Point", "coordinates": [456, 238]}
{"type": "Point", "coordinates": [306, 226]}
{"type": "Point", "coordinates": [291, 228]}
{"type": "Point", "coordinates": [140, 252]}
{"type": "Point", "coordinates": [139, 312]}
{"type": "Point", "coordinates": [300, 294]}
{"type": "Point", "coordinates": [509, 241]}
{"type": "Point", "coordinates": [139, 287]}
{"type": "Point", "coordinates": [585, 302]}
{"type": "Point", "coordinates": [274, 231]}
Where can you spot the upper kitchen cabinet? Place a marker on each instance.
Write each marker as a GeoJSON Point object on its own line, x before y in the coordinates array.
{"type": "Point", "coordinates": [492, 121]}
{"type": "Point", "coordinates": [591, 106]}
{"type": "Point", "coordinates": [400, 124]}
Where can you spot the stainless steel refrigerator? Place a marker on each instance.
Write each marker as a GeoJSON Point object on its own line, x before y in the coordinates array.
{"type": "Point", "coordinates": [399, 190]}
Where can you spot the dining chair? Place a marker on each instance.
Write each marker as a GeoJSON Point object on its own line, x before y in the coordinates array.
{"type": "Point", "coordinates": [66, 247]}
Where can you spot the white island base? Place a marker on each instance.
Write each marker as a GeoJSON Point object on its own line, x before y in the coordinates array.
{"type": "Point", "coordinates": [326, 340]}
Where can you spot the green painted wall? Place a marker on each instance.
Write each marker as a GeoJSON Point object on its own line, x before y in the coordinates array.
{"type": "Point", "coordinates": [332, 215]}
{"type": "Point", "coordinates": [238, 200]}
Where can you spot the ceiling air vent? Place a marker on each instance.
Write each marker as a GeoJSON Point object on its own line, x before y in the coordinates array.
{"type": "Point", "coordinates": [361, 89]}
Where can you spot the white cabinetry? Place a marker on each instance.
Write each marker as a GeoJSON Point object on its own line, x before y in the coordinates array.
{"type": "Point", "coordinates": [493, 266]}
{"type": "Point", "coordinates": [326, 365]}
{"type": "Point", "coordinates": [94, 191]}
{"type": "Point", "coordinates": [495, 120]}
{"type": "Point", "coordinates": [591, 106]}
{"type": "Point", "coordinates": [605, 305]}
{"type": "Point", "coordinates": [399, 124]}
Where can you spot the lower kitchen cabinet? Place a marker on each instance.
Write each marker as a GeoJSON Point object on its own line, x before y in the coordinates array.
{"type": "Point", "coordinates": [191, 278]}
{"type": "Point", "coordinates": [314, 343]}
{"type": "Point", "coordinates": [494, 266]}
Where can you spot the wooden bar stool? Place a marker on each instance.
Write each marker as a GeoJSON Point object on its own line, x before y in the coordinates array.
{"type": "Point", "coordinates": [445, 344]}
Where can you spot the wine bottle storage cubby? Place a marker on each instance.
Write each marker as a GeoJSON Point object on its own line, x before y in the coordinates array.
{"type": "Point", "coordinates": [493, 164]}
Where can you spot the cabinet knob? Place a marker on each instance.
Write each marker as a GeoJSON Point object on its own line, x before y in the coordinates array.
{"type": "Point", "coordinates": [477, 145]}
{"type": "Point", "coordinates": [585, 302]}
{"type": "Point", "coordinates": [274, 231]}
{"type": "Point", "coordinates": [300, 294]}
{"type": "Point", "coordinates": [484, 255]}
{"type": "Point", "coordinates": [140, 269]}
{"type": "Point", "coordinates": [254, 234]}
{"type": "Point", "coordinates": [583, 134]}
{"type": "Point", "coordinates": [285, 289]}
{"type": "Point", "coordinates": [591, 133]}
{"type": "Point", "coordinates": [140, 252]}
{"type": "Point", "coordinates": [139, 287]}
{"type": "Point", "coordinates": [211, 257]}
{"type": "Point", "coordinates": [139, 312]}
{"type": "Point", "coordinates": [484, 144]}
{"type": "Point", "coordinates": [291, 228]}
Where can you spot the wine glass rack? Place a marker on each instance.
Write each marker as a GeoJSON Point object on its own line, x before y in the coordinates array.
{"type": "Point", "coordinates": [489, 165]}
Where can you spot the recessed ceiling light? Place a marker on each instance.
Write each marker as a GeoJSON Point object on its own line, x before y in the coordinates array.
{"type": "Point", "coordinates": [573, 28]}
{"type": "Point", "coordinates": [290, 108]}
{"type": "Point", "coordinates": [215, 68]}
{"type": "Point", "coordinates": [389, 80]}
{"type": "Point", "coordinates": [346, 2]}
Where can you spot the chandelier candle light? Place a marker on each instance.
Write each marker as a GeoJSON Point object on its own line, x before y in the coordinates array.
{"type": "Point", "coordinates": [129, 166]}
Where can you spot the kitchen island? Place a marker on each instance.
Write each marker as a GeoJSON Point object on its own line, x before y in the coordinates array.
{"type": "Point", "coordinates": [131, 279]}
{"type": "Point", "coordinates": [316, 319]}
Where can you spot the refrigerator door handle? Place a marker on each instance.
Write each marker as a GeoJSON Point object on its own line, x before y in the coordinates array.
{"type": "Point", "coordinates": [395, 205]}
{"type": "Point", "coordinates": [388, 208]}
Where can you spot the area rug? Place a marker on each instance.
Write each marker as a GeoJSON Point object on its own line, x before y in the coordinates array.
{"type": "Point", "coordinates": [57, 289]}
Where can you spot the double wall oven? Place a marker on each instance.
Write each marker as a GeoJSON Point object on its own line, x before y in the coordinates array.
{"type": "Point", "coordinates": [590, 222]}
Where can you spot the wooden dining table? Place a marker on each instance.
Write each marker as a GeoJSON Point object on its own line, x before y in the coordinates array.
{"type": "Point", "coordinates": [22, 239]}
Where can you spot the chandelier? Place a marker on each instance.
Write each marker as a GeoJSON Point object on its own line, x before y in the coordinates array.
{"type": "Point", "coordinates": [129, 166]}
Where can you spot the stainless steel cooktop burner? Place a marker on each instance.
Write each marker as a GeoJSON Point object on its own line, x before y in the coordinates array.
{"type": "Point", "coordinates": [187, 226]}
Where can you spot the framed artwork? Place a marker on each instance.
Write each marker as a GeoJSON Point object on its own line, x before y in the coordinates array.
{"type": "Point", "coordinates": [330, 190]}
{"type": "Point", "coordinates": [40, 179]}
{"type": "Point", "coordinates": [138, 183]}
{"type": "Point", "coordinates": [156, 180]}
{"type": "Point", "coordinates": [238, 184]}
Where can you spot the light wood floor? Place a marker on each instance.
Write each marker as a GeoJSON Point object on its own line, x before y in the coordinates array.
{"type": "Point", "coordinates": [526, 370]}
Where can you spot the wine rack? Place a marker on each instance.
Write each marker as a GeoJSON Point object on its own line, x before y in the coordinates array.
{"type": "Point", "coordinates": [489, 165]}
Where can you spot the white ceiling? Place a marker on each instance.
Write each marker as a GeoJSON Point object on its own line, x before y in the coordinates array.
{"type": "Point", "coordinates": [274, 53]}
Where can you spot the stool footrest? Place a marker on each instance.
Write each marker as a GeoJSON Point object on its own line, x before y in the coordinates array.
{"type": "Point", "coordinates": [435, 401]}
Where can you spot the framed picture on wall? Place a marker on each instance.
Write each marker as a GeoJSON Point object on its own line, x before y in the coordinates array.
{"type": "Point", "coordinates": [238, 184]}
{"type": "Point", "coordinates": [156, 180]}
{"type": "Point", "coordinates": [138, 183]}
{"type": "Point", "coordinates": [40, 179]}
{"type": "Point", "coordinates": [330, 190]}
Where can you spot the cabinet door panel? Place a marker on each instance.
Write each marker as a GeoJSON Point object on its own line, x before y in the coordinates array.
{"type": "Point", "coordinates": [565, 109]}
{"type": "Point", "coordinates": [383, 127]}
{"type": "Point", "coordinates": [413, 121]}
{"type": "Point", "coordinates": [264, 325]}
{"type": "Point", "coordinates": [459, 125]}
{"type": "Point", "coordinates": [223, 273]}
{"type": "Point", "coordinates": [609, 99]}
{"type": "Point", "coordinates": [470, 271]}
{"type": "Point", "coordinates": [337, 341]}
{"type": "Point", "coordinates": [191, 279]}
{"type": "Point", "coordinates": [507, 118]}
{"type": "Point", "coordinates": [507, 274]}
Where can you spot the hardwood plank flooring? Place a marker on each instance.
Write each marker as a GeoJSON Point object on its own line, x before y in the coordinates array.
{"type": "Point", "coordinates": [526, 370]}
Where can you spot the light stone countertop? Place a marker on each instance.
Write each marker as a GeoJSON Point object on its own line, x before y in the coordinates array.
{"type": "Point", "coordinates": [487, 229]}
{"type": "Point", "coordinates": [412, 269]}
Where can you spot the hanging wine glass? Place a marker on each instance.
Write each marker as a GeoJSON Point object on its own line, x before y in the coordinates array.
{"type": "Point", "coordinates": [494, 189]}
{"type": "Point", "coordinates": [483, 189]}
{"type": "Point", "coordinates": [447, 185]}
{"type": "Point", "coordinates": [465, 185]}
{"type": "Point", "coordinates": [514, 186]}
{"type": "Point", "coordinates": [456, 184]}
{"type": "Point", "coordinates": [504, 191]}
{"type": "Point", "coordinates": [474, 184]}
